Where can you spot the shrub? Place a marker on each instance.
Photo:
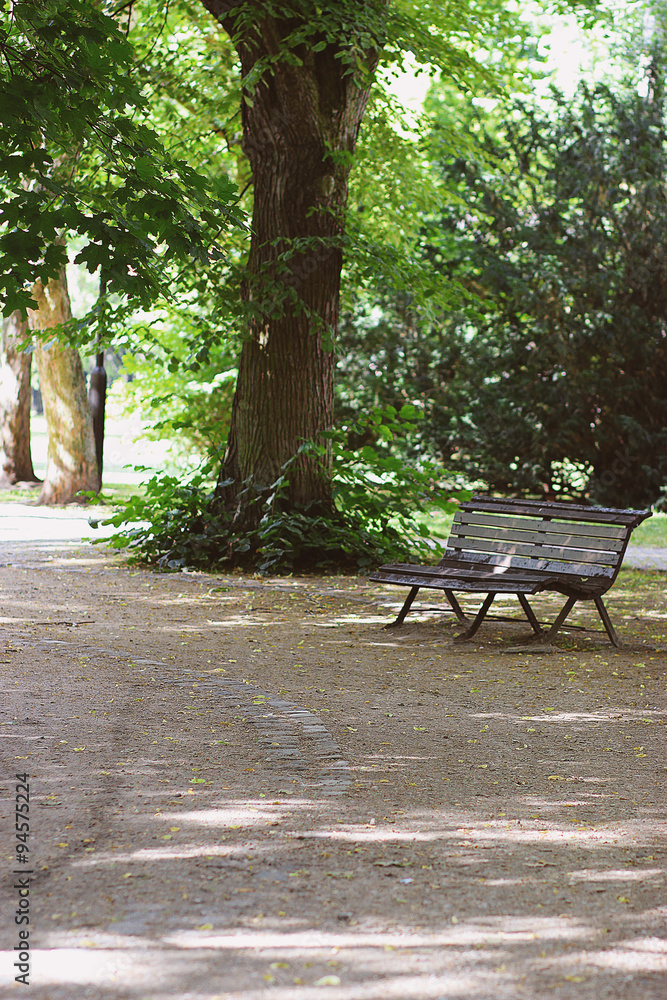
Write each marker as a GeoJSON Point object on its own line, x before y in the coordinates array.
{"type": "Point", "coordinates": [179, 524]}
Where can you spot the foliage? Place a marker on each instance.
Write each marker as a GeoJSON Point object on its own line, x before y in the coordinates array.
{"type": "Point", "coordinates": [77, 157]}
{"type": "Point", "coordinates": [652, 532]}
{"type": "Point", "coordinates": [192, 413]}
{"type": "Point", "coordinates": [185, 398]}
{"type": "Point", "coordinates": [549, 378]}
{"type": "Point", "coordinates": [376, 498]}
{"type": "Point", "coordinates": [146, 111]}
{"type": "Point", "coordinates": [188, 71]}
{"type": "Point", "coordinates": [570, 252]}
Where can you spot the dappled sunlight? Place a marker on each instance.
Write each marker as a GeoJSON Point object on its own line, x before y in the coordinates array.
{"type": "Point", "coordinates": [495, 952]}
{"type": "Point", "coordinates": [339, 620]}
{"type": "Point", "coordinates": [159, 854]}
{"type": "Point", "coordinates": [133, 965]}
{"type": "Point", "coordinates": [249, 812]}
{"type": "Point", "coordinates": [42, 611]}
{"type": "Point", "coordinates": [235, 621]}
{"type": "Point", "coordinates": [463, 835]}
{"type": "Point", "coordinates": [396, 759]}
{"type": "Point", "coordinates": [611, 714]}
{"type": "Point", "coordinates": [167, 973]}
{"type": "Point", "coordinates": [648, 955]}
{"type": "Point", "coordinates": [489, 932]}
{"type": "Point", "coordinates": [474, 951]}
{"type": "Point", "coordinates": [393, 987]}
{"type": "Point", "coordinates": [386, 643]}
{"type": "Point", "coordinates": [608, 716]}
{"type": "Point", "coordinates": [589, 837]}
{"type": "Point", "coordinates": [289, 796]}
{"type": "Point", "coordinates": [617, 875]}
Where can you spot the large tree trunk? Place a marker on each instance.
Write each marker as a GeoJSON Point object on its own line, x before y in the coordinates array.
{"type": "Point", "coordinates": [72, 462]}
{"type": "Point", "coordinates": [300, 126]}
{"type": "Point", "coordinates": [15, 398]}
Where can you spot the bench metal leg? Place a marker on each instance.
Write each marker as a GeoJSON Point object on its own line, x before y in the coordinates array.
{"type": "Point", "coordinates": [546, 637]}
{"type": "Point", "coordinates": [479, 618]}
{"type": "Point", "coordinates": [530, 614]}
{"type": "Point", "coordinates": [606, 621]}
{"type": "Point", "coordinates": [456, 607]}
{"type": "Point", "coordinates": [404, 610]}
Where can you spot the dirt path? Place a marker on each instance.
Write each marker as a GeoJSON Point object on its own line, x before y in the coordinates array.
{"type": "Point", "coordinates": [244, 788]}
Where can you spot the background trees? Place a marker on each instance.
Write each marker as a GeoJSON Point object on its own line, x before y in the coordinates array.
{"type": "Point", "coordinates": [72, 463]}
{"type": "Point", "coordinates": [15, 401]}
{"type": "Point", "coordinates": [240, 170]}
{"type": "Point", "coordinates": [577, 369]}
{"type": "Point", "coordinates": [550, 379]}
{"type": "Point", "coordinates": [306, 84]}
{"type": "Point", "coordinates": [307, 75]}
{"type": "Point", "coordinates": [76, 157]}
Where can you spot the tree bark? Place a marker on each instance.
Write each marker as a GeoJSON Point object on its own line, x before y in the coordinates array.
{"type": "Point", "coordinates": [300, 125]}
{"type": "Point", "coordinates": [72, 462]}
{"type": "Point", "coordinates": [15, 398]}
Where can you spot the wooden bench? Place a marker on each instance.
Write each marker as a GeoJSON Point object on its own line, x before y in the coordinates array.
{"type": "Point", "coordinates": [524, 547]}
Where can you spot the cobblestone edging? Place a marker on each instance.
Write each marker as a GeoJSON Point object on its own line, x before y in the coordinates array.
{"type": "Point", "coordinates": [292, 740]}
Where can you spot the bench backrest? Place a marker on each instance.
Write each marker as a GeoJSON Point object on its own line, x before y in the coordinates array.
{"type": "Point", "coordinates": [561, 539]}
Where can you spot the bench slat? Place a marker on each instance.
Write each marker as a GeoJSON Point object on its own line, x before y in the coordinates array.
{"type": "Point", "coordinates": [456, 568]}
{"type": "Point", "coordinates": [558, 567]}
{"type": "Point", "coordinates": [457, 565]}
{"type": "Point", "coordinates": [562, 553]}
{"type": "Point", "coordinates": [471, 582]}
{"type": "Point", "coordinates": [559, 539]}
{"type": "Point", "coordinates": [609, 515]}
{"type": "Point", "coordinates": [414, 576]}
{"type": "Point", "coordinates": [589, 529]}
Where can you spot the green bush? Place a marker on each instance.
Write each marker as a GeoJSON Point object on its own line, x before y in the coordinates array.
{"type": "Point", "coordinates": [547, 377]}
{"type": "Point", "coordinates": [376, 498]}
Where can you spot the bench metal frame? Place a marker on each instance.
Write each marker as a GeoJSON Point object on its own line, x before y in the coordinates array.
{"type": "Point", "coordinates": [524, 547]}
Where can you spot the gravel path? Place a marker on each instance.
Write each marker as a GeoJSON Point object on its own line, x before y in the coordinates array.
{"type": "Point", "coordinates": [643, 557]}
{"type": "Point", "coordinates": [244, 789]}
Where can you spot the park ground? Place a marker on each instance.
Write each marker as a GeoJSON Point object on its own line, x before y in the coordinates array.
{"type": "Point", "coordinates": [244, 787]}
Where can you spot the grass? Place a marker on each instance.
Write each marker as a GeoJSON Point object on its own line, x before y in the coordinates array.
{"type": "Point", "coordinates": [652, 532]}
{"type": "Point", "coordinates": [19, 494]}
{"type": "Point", "coordinates": [123, 440]}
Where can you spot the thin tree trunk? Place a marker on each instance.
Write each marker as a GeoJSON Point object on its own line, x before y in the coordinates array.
{"type": "Point", "coordinates": [299, 129]}
{"type": "Point", "coordinates": [15, 398]}
{"type": "Point", "coordinates": [72, 462]}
